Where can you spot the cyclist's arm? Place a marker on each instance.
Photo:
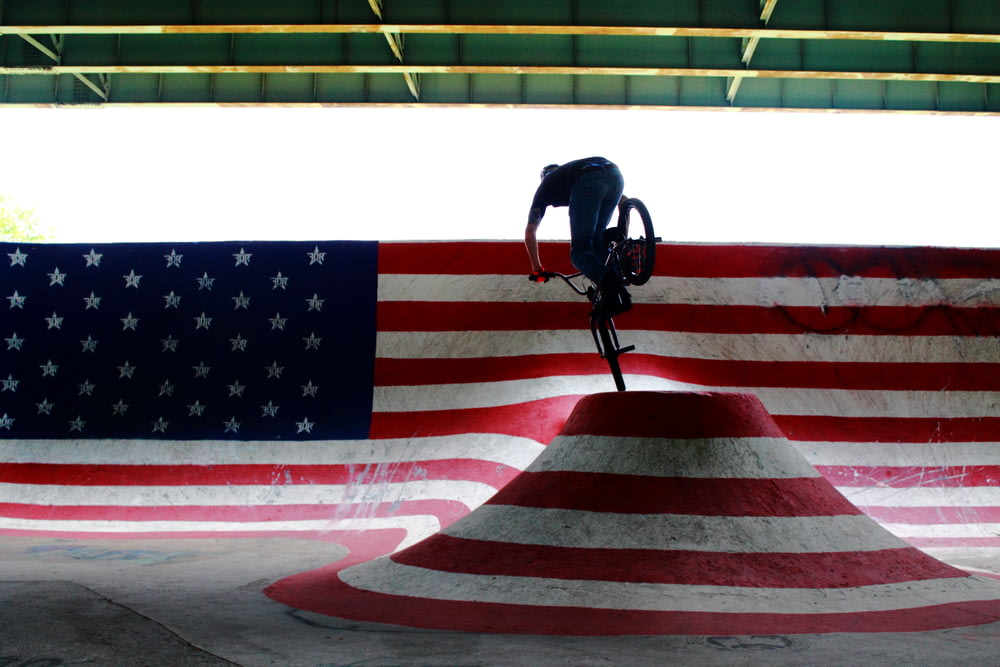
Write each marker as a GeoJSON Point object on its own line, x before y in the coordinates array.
{"type": "Point", "coordinates": [531, 238]}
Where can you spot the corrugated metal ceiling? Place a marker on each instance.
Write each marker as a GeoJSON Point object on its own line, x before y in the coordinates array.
{"type": "Point", "coordinates": [907, 55]}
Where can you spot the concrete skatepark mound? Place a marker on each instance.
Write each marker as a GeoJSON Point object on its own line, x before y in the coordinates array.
{"type": "Point", "coordinates": [658, 513]}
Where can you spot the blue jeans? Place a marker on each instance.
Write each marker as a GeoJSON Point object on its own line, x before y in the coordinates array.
{"type": "Point", "coordinates": [592, 200]}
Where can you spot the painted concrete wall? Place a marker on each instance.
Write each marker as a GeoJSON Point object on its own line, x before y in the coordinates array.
{"type": "Point", "coordinates": [878, 364]}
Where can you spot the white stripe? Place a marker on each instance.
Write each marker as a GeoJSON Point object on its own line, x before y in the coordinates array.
{"type": "Point", "coordinates": [731, 534]}
{"type": "Point", "coordinates": [471, 494]}
{"type": "Point", "coordinates": [754, 291]}
{"type": "Point", "coordinates": [926, 496]}
{"type": "Point", "coordinates": [889, 454]}
{"type": "Point", "coordinates": [718, 346]}
{"type": "Point", "coordinates": [944, 530]}
{"type": "Point", "coordinates": [769, 458]}
{"type": "Point", "coordinates": [417, 527]}
{"type": "Point", "coordinates": [385, 576]}
{"type": "Point", "coordinates": [513, 451]}
{"type": "Point", "coordinates": [778, 401]}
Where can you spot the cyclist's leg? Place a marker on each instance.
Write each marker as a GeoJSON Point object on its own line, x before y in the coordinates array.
{"type": "Point", "coordinates": [585, 204]}
{"type": "Point", "coordinates": [609, 204]}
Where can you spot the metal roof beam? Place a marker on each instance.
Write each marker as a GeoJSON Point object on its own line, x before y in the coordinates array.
{"type": "Point", "coordinates": [503, 69]}
{"type": "Point", "coordinates": [401, 28]}
{"type": "Point", "coordinates": [750, 47]}
{"type": "Point", "coordinates": [55, 54]}
{"type": "Point", "coordinates": [395, 40]}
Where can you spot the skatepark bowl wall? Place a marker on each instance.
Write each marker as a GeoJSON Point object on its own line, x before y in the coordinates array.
{"type": "Point", "coordinates": [373, 394]}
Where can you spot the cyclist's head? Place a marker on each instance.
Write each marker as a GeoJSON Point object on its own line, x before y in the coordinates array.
{"type": "Point", "coordinates": [547, 168]}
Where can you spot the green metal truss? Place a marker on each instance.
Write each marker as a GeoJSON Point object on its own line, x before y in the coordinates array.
{"type": "Point", "coordinates": [893, 55]}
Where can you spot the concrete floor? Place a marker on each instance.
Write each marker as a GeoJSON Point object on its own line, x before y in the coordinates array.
{"type": "Point", "coordinates": [199, 602]}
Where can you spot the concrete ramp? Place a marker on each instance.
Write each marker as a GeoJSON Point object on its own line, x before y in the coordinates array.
{"type": "Point", "coordinates": [658, 513]}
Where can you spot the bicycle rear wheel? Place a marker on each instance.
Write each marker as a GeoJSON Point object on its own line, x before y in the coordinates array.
{"type": "Point", "coordinates": [639, 255]}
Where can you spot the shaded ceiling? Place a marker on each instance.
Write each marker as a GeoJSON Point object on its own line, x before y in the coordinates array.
{"type": "Point", "coordinates": [911, 55]}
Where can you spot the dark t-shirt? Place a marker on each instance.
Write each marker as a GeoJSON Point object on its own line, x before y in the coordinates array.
{"type": "Point", "coordinates": [555, 187]}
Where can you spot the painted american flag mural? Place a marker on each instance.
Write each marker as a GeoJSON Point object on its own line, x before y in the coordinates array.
{"type": "Point", "coordinates": [879, 364]}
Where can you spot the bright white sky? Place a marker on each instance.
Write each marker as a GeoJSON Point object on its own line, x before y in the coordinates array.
{"type": "Point", "coordinates": [199, 174]}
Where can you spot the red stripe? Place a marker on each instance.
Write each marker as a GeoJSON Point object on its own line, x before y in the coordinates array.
{"type": "Point", "coordinates": [696, 568]}
{"type": "Point", "coordinates": [699, 318]}
{"type": "Point", "coordinates": [708, 372]}
{"type": "Point", "coordinates": [538, 420]}
{"type": "Point", "coordinates": [637, 494]}
{"type": "Point", "coordinates": [889, 429]}
{"type": "Point", "coordinates": [671, 415]}
{"type": "Point", "coordinates": [903, 477]}
{"type": "Point", "coordinates": [361, 473]}
{"type": "Point", "coordinates": [414, 372]}
{"type": "Point", "coordinates": [327, 594]}
{"type": "Point", "coordinates": [709, 261]}
{"type": "Point", "coordinates": [446, 511]}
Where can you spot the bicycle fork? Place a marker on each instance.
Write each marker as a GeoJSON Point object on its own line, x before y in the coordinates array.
{"type": "Point", "coordinates": [606, 339]}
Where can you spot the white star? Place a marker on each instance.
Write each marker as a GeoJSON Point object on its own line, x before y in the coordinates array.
{"type": "Point", "coordinates": [126, 370]}
{"type": "Point", "coordinates": [119, 408]}
{"type": "Point", "coordinates": [172, 300]}
{"type": "Point", "coordinates": [169, 344]}
{"type": "Point", "coordinates": [132, 280]}
{"type": "Point", "coordinates": [166, 389]}
{"type": "Point", "coordinates": [49, 368]}
{"type": "Point", "coordinates": [92, 301]}
{"type": "Point", "coordinates": [203, 321]}
{"type": "Point", "coordinates": [55, 322]}
{"type": "Point", "coordinates": [239, 343]}
{"type": "Point", "coordinates": [270, 410]}
{"type": "Point", "coordinates": [160, 426]}
{"type": "Point", "coordinates": [201, 370]}
{"type": "Point", "coordinates": [312, 342]}
{"type": "Point", "coordinates": [93, 258]}
{"type": "Point", "coordinates": [17, 301]}
{"type": "Point", "coordinates": [17, 257]}
{"type": "Point", "coordinates": [129, 322]}
{"type": "Point", "coordinates": [279, 281]}
{"type": "Point", "coordinates": [77, 424]}
{"type": "Point", "coordinates": [236, 389]}
{"type": "Point", "coordinates": [87, 388]}
{"type": "Point", "coordinates": [45, 408]}
{"type": "Point", "coordinates": [316, 257]}
{"type": "Point", "coordinates": [278, 322]}
{"type": "Point", "coordinates": [231, 425]}
{"type": "Point", "coordinates": [196, 409]}
{"type": "Point", "coordinates": [57, 278]}
{"type": "Point", "coordinates": [173, 259]}
{"type": "Point", "coordinates": [14, 343]}
{"type": "Point", "coordinates": [274, 370]}
{"type": "Point", "coordinates": [205, 282]}
{"type": "Point", "coordinates": [242, 257]}
{"type": "Point", "coordinates": [89, 345]}
{"type": "Point", "coordinates": [309, 389]}
{"type": "Point", "coordinates": [10, 384]}
{"type": "Point", "coordinates": [305, 426]}
{"type": "Point", "coordinates": [315, 303]}
{"type": "Point", "coordinates": [6, 421]}
{"type": "Point", "coordinates": [241, 301]}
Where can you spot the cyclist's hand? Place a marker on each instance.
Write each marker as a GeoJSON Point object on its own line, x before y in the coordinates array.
{"type": "Point", "coordinates": [541, 276]}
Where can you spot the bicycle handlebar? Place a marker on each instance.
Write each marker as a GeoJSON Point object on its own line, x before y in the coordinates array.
{"type": "Point", "coordinates": [555, 274]}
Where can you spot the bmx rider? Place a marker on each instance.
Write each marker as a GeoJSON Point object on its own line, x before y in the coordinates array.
{"type": "Point", "coordinates": [591, 188]}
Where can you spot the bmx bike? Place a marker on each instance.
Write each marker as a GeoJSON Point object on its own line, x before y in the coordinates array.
{"type": "Point", "coordinates": [631, 261]}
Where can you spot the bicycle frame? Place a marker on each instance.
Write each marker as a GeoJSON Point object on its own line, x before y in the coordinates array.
{"type": "Point", "coordinates": [604, 333]}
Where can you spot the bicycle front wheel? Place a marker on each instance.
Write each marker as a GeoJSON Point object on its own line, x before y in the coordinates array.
{"type": "Point", "coordinates": [639, 256]}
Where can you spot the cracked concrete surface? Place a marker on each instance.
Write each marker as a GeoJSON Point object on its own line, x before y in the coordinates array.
{"type": "Point", "coordinates": [199, 602]}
